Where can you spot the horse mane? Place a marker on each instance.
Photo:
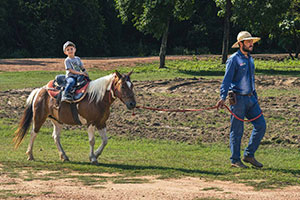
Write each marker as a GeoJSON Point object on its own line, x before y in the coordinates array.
{"type": "Point", "coordinates": [98, 87]}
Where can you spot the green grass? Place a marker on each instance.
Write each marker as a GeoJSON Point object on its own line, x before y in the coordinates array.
{"type": "Point", "coordinates": [210, 68]}
{"type": "Point", "coordinates": [131, 158]}
{"type": "Point", "coordinates": [279, 92]}
{"type": "Point", "coordinates": [140, 157]}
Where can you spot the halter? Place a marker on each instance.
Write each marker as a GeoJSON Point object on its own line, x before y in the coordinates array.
{"type": "Point", "coordinates": [113, 92]}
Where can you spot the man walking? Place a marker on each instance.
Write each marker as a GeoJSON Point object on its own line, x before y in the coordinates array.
{"type": "Point", "coordinates": [239, 82]}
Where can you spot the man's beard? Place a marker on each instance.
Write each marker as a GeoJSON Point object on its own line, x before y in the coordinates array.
{"type": "Point", "coordinates": [248, 50]}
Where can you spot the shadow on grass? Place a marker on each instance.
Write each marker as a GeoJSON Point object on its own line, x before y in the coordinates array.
{"type": "Point", "coordinates": [24, 62]}
{"type": "Point", "coordinates": [277, 72]}
{"type": "Point", "coordinates": [289, 171]}
{"type": "Point", "coordinates": [43, 165]}
{"type": "Point", "coordinates": [160, 168]}
{"type": "Point", "coordinates": [258, 71]}
{"type": "Point", "coordinates": [202, 73]}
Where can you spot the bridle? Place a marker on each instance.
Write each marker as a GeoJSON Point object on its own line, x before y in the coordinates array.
{"type": "Point", "coordinates": [114, 93]}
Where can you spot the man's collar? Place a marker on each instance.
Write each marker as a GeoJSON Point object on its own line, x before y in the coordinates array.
{"type": "Point", "coordinates": [242, 55]}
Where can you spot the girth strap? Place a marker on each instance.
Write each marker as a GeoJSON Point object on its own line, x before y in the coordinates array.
{"type": "Point", "coordinates": [75, 113]}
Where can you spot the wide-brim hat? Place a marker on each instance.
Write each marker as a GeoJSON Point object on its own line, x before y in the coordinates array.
{"type": "Point", "coordinates": [244, 35]}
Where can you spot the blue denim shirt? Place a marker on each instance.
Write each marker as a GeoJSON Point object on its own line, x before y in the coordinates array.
{"type": "Point", "coordinates": [239, 75]}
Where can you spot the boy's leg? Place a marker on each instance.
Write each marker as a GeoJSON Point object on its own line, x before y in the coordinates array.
{"type": "Point", "coordinates": [70, 83]}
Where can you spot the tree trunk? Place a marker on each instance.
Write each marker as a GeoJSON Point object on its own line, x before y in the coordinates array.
{"type": "Point", "coordinates": [226, 31]}
{"type": "Point", "coordinates": [163, 47]}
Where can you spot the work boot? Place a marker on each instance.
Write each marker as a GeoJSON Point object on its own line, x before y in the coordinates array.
{"type": "Point", "coordinates": [66, 96]}
{"type": "Point", "coordinates": [239, 164]}
{"type": "Point", "coordinates": [252, 161]}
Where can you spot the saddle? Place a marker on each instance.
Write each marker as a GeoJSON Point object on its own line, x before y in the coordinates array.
{"type": "Point", "coordinates": [56, 87]}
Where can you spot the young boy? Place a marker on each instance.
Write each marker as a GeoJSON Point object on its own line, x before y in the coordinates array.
{"type": "Point", "coordinates": [74, 69]}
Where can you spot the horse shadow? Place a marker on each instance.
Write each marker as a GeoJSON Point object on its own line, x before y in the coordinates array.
{"type": "Point", "coordinates": [125, 167]}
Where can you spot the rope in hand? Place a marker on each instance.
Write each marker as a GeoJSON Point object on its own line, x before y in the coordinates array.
{"type": "Point", "coordinates": [194, 110]}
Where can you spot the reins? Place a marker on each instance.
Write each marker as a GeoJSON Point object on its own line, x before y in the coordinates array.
{"type": "Point", "coordinates": [197, 110]}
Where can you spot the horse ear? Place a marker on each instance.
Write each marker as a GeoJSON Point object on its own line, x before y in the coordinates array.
{"type": "Point", "coordinates": [130, 73]}
{"type": "Point", "coordinates": [118, 74]}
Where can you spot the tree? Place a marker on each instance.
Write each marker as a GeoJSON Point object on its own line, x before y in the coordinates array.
{"type": "Point", "coordinates": [289, 30]}
{"type": "Point", "coordinates": [260, 17]}
{"type": "Point", "coordinates": [226, 13]}
{"type": "Point", "coordinates": [153, 17]}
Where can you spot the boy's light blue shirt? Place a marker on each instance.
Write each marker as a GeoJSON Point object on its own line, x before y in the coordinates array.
{"type": "Point", "coordinates": [238, 71]}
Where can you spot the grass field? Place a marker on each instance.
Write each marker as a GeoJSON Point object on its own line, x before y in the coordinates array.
{"type": "Point", "coordinates": [138, 156]}
{"type": "Point", "coordinates": [177, 68]}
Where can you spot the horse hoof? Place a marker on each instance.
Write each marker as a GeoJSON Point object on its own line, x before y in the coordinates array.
{"type": "Point", "coordinates": [30, 158]}
{"type": "Point", "coordinates": [95, 162]}
{"type": "Point", "coordinates": [66, 160]}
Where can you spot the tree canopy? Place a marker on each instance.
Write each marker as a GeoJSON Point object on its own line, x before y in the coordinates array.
{"type": "Point", "coordinates": [38, 28]}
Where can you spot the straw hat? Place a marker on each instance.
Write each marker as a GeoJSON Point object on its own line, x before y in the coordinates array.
{"type": "Point", "coordinates": [244, 35]}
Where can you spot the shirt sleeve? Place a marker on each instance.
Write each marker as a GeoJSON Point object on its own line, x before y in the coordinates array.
{"type": "Point", "coordinates": [68, 64]}
{"type": "Point", "coordinates": [229, 73]}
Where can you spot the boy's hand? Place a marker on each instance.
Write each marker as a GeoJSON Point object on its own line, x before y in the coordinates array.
{"type": "Point", "coordinates": [85, 74]}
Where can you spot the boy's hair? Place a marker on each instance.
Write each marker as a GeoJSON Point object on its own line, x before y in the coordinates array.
{"type": "Point", "coordinates": [68, 43]}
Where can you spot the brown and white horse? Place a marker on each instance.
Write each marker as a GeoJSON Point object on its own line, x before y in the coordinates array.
{"type": "Point", "coordinates": [93, 111]}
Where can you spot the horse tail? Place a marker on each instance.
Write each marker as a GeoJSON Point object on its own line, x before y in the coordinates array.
{"type": "Point", "coordinates": [26, 119]}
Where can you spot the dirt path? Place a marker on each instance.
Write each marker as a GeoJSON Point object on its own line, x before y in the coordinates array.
{"type": "Point", "coordinates": [57, 64]}
{"type": "Point", "coordinates": [171, 189]}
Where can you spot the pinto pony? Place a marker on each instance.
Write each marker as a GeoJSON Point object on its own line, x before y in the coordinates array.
{"type": "Point", "coordinates": [93, 111]}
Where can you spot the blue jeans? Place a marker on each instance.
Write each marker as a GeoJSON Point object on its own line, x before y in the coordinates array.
{"type": "Point", "coordinates": [246, 107]}
{"type": "Point", "coordinates": [71, 81]}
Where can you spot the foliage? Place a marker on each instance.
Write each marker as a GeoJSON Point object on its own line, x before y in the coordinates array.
{"type": "Point", "coordinates": [152, 17]}
{"type": "Point", "coordinates": [289, 28]}
{"type": "Point", "coordinates": [41, 27]}
{"type": "Point", "coordinates": [263, 18]}
{"type": "Point", "coordinates": [38, 28]}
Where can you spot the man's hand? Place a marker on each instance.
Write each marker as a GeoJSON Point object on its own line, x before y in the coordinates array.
{"type": "Point", "coordinates": [220, 104]}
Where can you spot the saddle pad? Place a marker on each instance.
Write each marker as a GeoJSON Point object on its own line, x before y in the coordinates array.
{"type": "Point", "coordinates": [52, 91]}
{"type": "Point", "coordinates": [78, 96]}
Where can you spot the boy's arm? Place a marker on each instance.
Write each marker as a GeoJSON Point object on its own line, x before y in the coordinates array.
{"type": "Point", "coordinates": [77, 72]}
{"type": "Point", "coordinates": [82, 68]}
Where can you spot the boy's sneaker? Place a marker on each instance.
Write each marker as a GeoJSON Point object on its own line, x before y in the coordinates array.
{"type": "Point", "coordinates": [66, 97]}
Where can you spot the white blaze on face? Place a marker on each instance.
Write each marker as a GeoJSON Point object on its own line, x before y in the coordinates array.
{"type": "Point", "coordinates": [129, 84]}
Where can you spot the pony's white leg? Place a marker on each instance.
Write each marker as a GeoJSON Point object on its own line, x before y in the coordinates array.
{"type": "Point", "coordinates": [91, 131]}
{"type": "Point", "coordinates": [33, 135]}
{"type": "Point", "coordinates": [103, 135]}
{"type": "Point", "coordinates": [56, 136]}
